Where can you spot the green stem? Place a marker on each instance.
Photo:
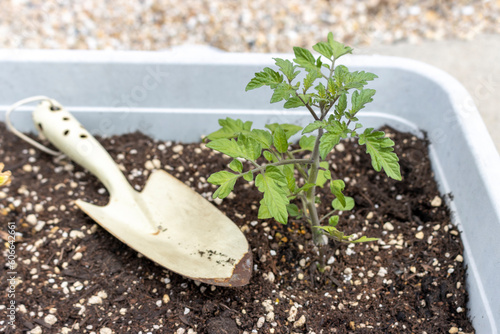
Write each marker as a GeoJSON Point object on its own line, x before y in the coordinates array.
{"type": "Point", "coordinates": [308, 107]}
{"type": "Point", "coordinates": [327, 215]}
{"type": "Point", "coordinates": [318, 238]}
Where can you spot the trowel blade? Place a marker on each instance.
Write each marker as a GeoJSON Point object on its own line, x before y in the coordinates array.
{"type": "Point", "coordinates": [177, 228]}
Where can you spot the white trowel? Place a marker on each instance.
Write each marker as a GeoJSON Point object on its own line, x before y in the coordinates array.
{"type": "Point", "coordinates": [167, 222]}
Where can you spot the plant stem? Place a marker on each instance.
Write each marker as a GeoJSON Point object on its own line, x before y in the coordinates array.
{"type": "Point", "coordinates": [318, 238]}
{"type": "Point", "coordinates": [308, 107]}
{"type": "Point", "coordinates": [327, 215]}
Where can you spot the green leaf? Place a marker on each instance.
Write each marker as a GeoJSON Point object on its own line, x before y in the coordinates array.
{"type": "Point", "coordinates": [314, 126]}
{"type": "Point", "coordinates": [227, 146]}
{"type": "Point", "coordinates": [334, 233]}
{"type": "Point", "coordinates": [338, 49]}
{"type": "Point", "coordinates": [294, 102]}
{"type": "Point", "coordinates": [332, 86]}
{"type": "Point", "coordinates": [309, 80]}
{"type": "Point", "coordinates": [341, 104]}
{"type": "Point", "coordinates": [269, 156]}
{"type": "Point", "coordinates": [359, 99]}
{"type": "Point", "coordinates": [250, 148]}
{"type": "Point", "coordinates": [264, 212]}
{"type": "Point", "coordinates": [262, 136]}
{"type": "Point", "coordinates": [307, 142]}
{"type": "Point", "coordinates": [321, 91]}
{"type": "Point", "coordinates": [245, 147]}
{"type": "Point", "coordinates": [293, 210]}
{"type": "Point", "coordinates": [230, 128]}
{"type": "Point", "coordinates": [349, 204]}
{"type": "Point", "coordinates": [363, 239]}
{"type": "Point", "coordinates": [333, 220]}
{"type": "Point", "coordinates": [336, 187]}
{"type": "Point", "coordinates": [340, 74]}
{"type": "Point", "coordinates": [273, 184]}
{"type": "Point", "coordinates": [268, 77]}
{"type": "Point", "coordinates": [287, 68]}
{"type": "Point", "coordinates": [280, 140]}
{"type": "Point", "coordinates": [290, 129]}
{"type": "Point", "coordinates": [323, 174]}
{"type": "Point", "coordinates": [282, 92]}
{"type": "Point", "coordinates": [303, 57]}
{"type": "Point", "coordinates": [288, 171]}
{"type": "Point", "coordinates": [324, 49]}
{"type": "Point", "coordinates": [326, 143]}
{"type": "Point", "coordinates": [248, 176]}
{"type": "Point", "coordinates": [357, 79]}
{"type": "Point", "coordinates": [225, 180]}
{"type": "Point", "coordinates": [381, 150]}
{"type": "Point", "coordinates": [236, 166]}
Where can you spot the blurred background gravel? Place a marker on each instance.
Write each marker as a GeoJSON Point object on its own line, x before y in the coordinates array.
{"type": "Point", "coordinates": [253, 25]}
{"type": "Point", "coordinates": [462, 37]}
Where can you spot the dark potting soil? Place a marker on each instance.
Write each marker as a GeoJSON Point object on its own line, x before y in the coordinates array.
{"type": "Point", "coordinates": [74, 277]}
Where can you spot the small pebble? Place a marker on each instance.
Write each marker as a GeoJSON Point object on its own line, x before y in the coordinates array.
{"type": "Point", "coordinates": [459, 258]}
{"type": "Point", "coordinates": [453, 330]}
{"type": "Point", "coordinates": [177, 148]}
{"type": "Point", "coordinates": [105, 330]}
{"type": "Point", "coordinates": [270, 277]}
{"type": "Point", "coordinates": [388, 226]}
{"type": "Point", "coordinates": [437, 201]}
{"type": "Point", "coordinates": [36, 330]}
{"type": "Point", "coordinates": [156, 163]}
{"type": "Point", "coordinates": [31, 219]}
{"type": "Point", "coordinates": [149, 165]}
{"type": "Point", "coordinates": [419, 235]}
{"type": "Point", "coordinates": [292, 314]}
{"type": "Point", "coordinates": [39, 226]}
{"type": "Point", "coordinates": [300, 323]}
{"type": "Point", "coordinates": [340, 147]}
{"type": "Point", "coordinates": [50, 319]}
{"type": "Point", "coordinates": [261, 322]}
{"type": "Point", "coordinates": [95, 300]}
{"type": "Point", "coordinates": [76, 234]}
{"type": "Point", "coordinates": [78, 256]}
{"type": "Point", "coordinates": [382, 272]}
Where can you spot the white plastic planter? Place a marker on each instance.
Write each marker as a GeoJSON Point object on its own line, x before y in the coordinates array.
{"type": "Point", "coordinates": [180, 95]}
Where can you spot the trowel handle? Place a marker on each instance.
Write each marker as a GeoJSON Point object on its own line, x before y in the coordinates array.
{"type": "Point", "coordinates": [71, 138]}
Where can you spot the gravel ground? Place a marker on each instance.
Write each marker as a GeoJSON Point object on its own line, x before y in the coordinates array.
{"type": "Point", "coordinates": [248, 25]}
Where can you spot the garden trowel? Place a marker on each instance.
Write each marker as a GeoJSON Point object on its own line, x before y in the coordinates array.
{"type": "Point", "coordinates": [167, 222]}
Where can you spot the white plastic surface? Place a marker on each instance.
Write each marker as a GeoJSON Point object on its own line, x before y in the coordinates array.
{"type": "Point", "coordinates": [179, 95]}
